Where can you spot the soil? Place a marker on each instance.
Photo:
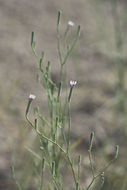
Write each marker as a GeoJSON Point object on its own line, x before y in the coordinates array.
{"type": "Point", "coordinates": [91, 64]}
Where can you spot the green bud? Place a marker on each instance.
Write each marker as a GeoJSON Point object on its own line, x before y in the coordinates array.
{"type": "Point", "coordinates": [58, 18]}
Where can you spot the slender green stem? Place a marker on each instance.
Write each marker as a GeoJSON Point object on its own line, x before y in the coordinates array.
{"type": "Point", "coordinates": [72, 46]}
{"type": "Point", "coordinates": [79, 168]}
{"type": "Point", "coordinates": [90, 184]}
{"type": "Point", "coordinates": [66, 154]}
{"type": "Point", "coordinates": [90, 153]}
{"type": "Point", "coordinates": [72, 168]}
{"type": "Point", "coordinates": [29, 121]}
{"type": "Point", "coordinates": [65, 36]}
{"type": "Point", "coordinates": [42, 172]}
{"type": "Point", "coordinates": [60, 148]}
{"type": "Point", "coordinates": [91, 162]}
{"type": "Point", "coordinates": [69, 127]}
{"type": "Point", "coordinates": [46, 138]}
{"type": "Point", "coordinates": [16, 181]}
{"type": "Point", "coordinates": [58, 44]}
{"type": "Point", "coordinates": [104, 169]}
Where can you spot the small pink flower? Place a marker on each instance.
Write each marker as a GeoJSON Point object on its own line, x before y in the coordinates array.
{"type": "Point", "coordinates": [32, 97]}
{"type": "Point", "coordinates": [73, 83]}
{"type": "Point", "coordinates": [70, 24]}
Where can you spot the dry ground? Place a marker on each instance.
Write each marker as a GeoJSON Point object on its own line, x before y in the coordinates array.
{"type": "Point", "coordinates": [91, 64]}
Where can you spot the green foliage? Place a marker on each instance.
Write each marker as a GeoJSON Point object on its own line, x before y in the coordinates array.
{"type": "Point", "coordinates": [54, 144]}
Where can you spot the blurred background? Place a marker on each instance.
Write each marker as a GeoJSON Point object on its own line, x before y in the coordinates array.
{"type": "Point", "coordinates": [98, 63]}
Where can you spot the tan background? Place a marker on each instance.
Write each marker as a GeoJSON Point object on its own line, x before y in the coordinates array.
{"type": "Point", "coordinates": [91, 64]}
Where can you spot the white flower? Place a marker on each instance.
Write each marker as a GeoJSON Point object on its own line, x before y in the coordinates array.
{"type": "Point", "coordinates": [73, 83]}
{"type": "Point", "coordinates": [70, 24]}
{"type": "Point", "coordinates": [32, 97]}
